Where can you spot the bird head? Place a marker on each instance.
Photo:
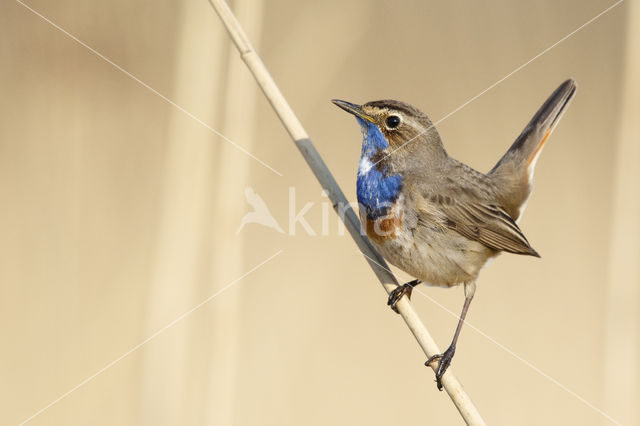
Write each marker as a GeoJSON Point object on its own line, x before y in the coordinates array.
{"type": "Point", "coordinates": [394, 129]}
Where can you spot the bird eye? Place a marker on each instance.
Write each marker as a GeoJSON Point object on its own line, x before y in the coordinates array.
{"type": "Point", "coordinates": [392, 121]}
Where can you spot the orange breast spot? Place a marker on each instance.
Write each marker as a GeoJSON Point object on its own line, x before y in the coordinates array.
{"type": "Point", "coordinates": [384, 227]}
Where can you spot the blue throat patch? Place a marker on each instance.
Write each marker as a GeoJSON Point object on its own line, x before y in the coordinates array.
{"type": "Point", "coordinates": [376, 189]}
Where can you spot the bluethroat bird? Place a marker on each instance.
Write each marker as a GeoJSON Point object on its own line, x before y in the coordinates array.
{"type": "Point", "coordinates": [434, 217]}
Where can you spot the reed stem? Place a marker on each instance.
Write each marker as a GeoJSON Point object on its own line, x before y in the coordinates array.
{"type": "Point", "coordinates": [454, 389]}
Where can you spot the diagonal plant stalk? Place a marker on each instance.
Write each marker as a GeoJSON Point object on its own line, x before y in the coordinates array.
{"type": "Point", "coordinates": [454, 389]}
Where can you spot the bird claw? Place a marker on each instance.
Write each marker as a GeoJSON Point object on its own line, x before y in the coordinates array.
{"type": "Point", "coordinates": [444, 361]}
{"type": "Point", "coordinates": [397, 294]}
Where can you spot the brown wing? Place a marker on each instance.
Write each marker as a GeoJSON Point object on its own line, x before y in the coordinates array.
{"type": "Point", "coordinates": [486, 223]}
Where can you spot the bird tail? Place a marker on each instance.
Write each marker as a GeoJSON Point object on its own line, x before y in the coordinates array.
{"type": "Point", "coordinates": [514, 172]}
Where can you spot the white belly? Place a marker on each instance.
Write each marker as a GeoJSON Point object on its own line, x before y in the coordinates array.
{"type": "Point", "coordinates": [441, 259]}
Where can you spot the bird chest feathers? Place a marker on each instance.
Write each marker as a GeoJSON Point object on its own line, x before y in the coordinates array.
{"type": "Point", "coordinates": [377, 188]}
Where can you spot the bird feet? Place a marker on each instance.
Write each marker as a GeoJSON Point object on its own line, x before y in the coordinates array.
{"type": "Point", "coordinates": [444, 361]}
{"type": "Point", "coordinates": [399, 292]}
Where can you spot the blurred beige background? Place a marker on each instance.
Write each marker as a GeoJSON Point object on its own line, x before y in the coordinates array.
{"type": "Point", "coordinates": [120, 211]}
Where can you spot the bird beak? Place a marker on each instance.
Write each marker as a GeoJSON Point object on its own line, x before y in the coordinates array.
{"type": "Point", "coordinates": [353, 109]}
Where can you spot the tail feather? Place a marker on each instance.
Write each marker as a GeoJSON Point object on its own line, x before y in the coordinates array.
{"type": "Point", "coordinates": [514, 172]}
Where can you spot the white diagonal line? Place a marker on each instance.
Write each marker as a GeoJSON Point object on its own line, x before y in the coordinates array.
{"type": "Point", "coordinates": [145, 85]}
{"type": "Point", "coordinates": [509, 351]}
{"type": "Point", "coordinates": [147, 340]}
{"type": "Point", "coordinates": [504, 78]}
{"type": "Point", "coordinates": [529, 61]}
{"type": "Point", "coordinates": [524, 361]}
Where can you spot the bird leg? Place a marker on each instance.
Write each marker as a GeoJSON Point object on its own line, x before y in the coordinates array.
{"type": "Point", "coordinates": [401, 290]}
{"type": "Point", "coordinates": [444, 359]}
